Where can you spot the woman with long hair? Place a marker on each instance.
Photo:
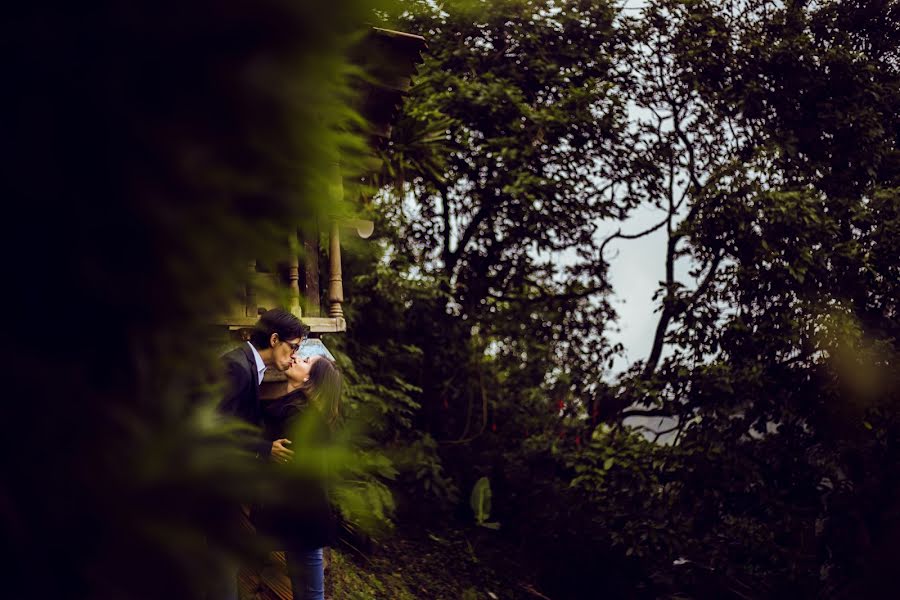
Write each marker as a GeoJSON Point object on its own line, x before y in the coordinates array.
{"type": "Point", "coordinates": [305, 524]}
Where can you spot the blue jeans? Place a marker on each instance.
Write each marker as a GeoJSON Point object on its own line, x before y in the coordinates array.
{"type": "Point", "coordinates": [307, 572]}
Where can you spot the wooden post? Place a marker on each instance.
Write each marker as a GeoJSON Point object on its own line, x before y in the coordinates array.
{"type": "Point", "coordinates": [335, 281]}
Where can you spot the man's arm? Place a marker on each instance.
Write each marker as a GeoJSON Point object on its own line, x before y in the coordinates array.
{"type": "Point", "coordinates": [238, 388]}
{"type": "Point", "coordinates": [262, 448]}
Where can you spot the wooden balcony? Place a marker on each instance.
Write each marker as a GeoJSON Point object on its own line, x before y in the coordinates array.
{"type": "Point", "coordinates": [390, 58]}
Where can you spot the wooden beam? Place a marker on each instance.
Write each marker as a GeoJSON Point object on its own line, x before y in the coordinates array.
{"type": "Point", "coordinates": [326, 324]}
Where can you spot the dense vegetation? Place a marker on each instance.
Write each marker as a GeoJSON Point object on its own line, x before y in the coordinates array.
{"type": "Point", "coordinates": [150, 150]}
{"type": "Point", "coordinates": [766, 136]}
{"type": "Point", "coordinates": [157, 146]}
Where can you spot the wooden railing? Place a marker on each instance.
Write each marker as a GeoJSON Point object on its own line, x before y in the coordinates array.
{"type": "Point", "coordinates": [300, 285]}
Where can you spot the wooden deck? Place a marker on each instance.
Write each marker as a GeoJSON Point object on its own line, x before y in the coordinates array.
{"type": "Point", "coordinates": [270, 582]}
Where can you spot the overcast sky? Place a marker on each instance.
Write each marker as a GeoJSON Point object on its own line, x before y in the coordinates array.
{"type": "Point", "coordinates": [636, 268]}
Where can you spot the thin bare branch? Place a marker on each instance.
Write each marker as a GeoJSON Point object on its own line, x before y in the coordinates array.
{"type": "Point", "coordinates": [692, 159]}
{"type": "Point", "coordinates": [633, 236]}
{"type": "Point", "coordinates": [480, 215]}
{"type": "Point", "coordinates": [665, 432]}
{"type": "Point", "coordinates": [445, 224]}
{"type": "Point", "coordinates": [645, 412]}
{"type": "Point", "coordinates": [669, 313]}
{"type": "Point", "coordinates": [706, 280]}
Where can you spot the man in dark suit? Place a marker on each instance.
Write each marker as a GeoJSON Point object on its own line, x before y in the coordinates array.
{"type": "Point", "coordinates": [275, 339]}
{"type": "Point", "coordinates": [273, 342]}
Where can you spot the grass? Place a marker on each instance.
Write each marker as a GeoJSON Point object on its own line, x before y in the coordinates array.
{"type": "Point", "coordinates": [449, 564]}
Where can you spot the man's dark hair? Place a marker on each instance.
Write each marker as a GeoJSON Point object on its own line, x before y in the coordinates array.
{"type": "Point", "coordinates": [279, 321]}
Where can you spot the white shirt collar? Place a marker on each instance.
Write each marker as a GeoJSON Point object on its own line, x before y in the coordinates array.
{"type": "Point", "coordinates": [260, 365]}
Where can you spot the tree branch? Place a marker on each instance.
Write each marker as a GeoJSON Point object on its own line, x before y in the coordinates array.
{"type": "Point", "coordinates": [706, 280]}
{"type": "Point", "coordinates": [445, 222]}
{"type": "Point", "coordinates": [645, 412]}
{"type": "Point", "coordinates": [454, 256]}
{"type": "Point", "coordinates": [692, 160]}
{"type": "Point", "coordinates": [668, 313]}
{"type": "Point", "coordinates": [550, 296]}
{"type": "Point", "coordinates": [625, 236]}
{"type": "Point", "coordinates": [658, 338]}
{"type": "Point", "coordinates": [665, 432]}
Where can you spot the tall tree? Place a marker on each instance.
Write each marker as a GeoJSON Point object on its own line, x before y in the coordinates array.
{"type": "Point", "coordinates": [528, 97]}
{"type": "Point", "coordinates": [774, 141]}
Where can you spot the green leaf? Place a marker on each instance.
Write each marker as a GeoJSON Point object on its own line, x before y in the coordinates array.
{"type": "Point", "coordinates": [481, 500]}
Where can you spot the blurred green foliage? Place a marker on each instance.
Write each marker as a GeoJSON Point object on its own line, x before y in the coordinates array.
{"type": "Point", "coordinates": [152, 150]}
{"type": "Point", "coordinates": [480, 501]}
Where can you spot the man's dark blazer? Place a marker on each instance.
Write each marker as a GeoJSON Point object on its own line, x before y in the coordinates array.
{"type": "Point", "coordinates": [241, 398]}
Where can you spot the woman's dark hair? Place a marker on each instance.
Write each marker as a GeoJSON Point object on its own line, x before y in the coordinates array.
{"type": "Point", "coordinates": [276, 320]}
{"type": "Point", "coordinates": [323, 389]}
